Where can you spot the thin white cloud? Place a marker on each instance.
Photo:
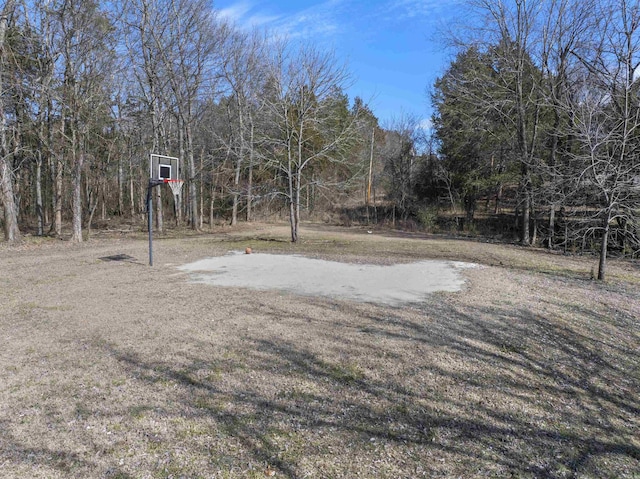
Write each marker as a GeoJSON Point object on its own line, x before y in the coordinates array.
{"type": "Point", "coordinates": [331, 17]}
{"type": "Point", "coordinates": [261, 20]}
{"type": "Point", "coordinates": [426, 124]}
{"type": "Point", "coordinates": [323, 19]}
{"type": "Point", "coordinates": [246, 15]}
{"type": "Point", "coordinates": [409, 9]}
{"type": "Point", "coordinates": [236, 12]}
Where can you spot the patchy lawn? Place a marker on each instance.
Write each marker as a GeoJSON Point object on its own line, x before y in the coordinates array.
{"type": "Point", "coordinates": [112, 369]}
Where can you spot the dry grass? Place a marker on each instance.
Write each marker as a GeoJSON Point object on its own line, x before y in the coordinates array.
{"type": "Point", "coordinates": [112, 369]}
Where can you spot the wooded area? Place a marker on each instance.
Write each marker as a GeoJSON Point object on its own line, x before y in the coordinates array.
{"type": "Point", "coordinates": [543, 98]}
{"type": "Point", "coordinates": [91, 88]}
{"type": "Point", "coordinates": [536, 124]}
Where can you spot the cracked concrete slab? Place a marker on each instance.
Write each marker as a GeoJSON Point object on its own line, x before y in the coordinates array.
{"type": "Point", "coordinates": [383, 284]}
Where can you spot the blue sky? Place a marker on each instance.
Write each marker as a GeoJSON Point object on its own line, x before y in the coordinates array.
{"type": "Point", "coordinates": [391, 47]}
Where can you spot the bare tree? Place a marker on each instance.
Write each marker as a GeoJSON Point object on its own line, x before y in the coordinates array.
{"type": "Point", "coordinates": [606, 117]}
{"type": "Point", "coordinates": [145, 21]}
{"type": "Point", "coordinates": [187, 50]}
{"type": "Point", "coordinates": [42, 93]}
{"type": "Point", "coordinates": [566, 24]}
{"type": "Point", "coordinates": [399, 154]}
{"type": "Point", "coordinates": [301, 85]}
{"type": "Point", "coordinates": [243, 71]}
{"type": "Point", "coordinates": [85, 65]}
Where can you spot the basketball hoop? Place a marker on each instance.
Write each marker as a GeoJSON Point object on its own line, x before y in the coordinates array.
{"type": "Point", "coordinates": [176, 186]}
{"type": "Point", "coordinates": [162, 169]}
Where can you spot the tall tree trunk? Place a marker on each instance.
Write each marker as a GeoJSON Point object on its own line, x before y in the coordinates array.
{"type": "Point", "coordinates": [212, 204]}
{"type": "Point", "coordinates": [526, 220]}
{"type": "Point", "coordinates": [553, 150]}
{"type": "Point", "coordinates": [214, 185]}
{"type": "Point", "coordinates": [552, 226]}
{"type": "Point", "coordinates": [291, 192]}
{"type": "Point", "coordinates": [602, 263]}
{"type": "Point", "coordinates": [39, 205]}
{"type": "Point", "coordinates": [292, 219]}
{"type": "Point", "coordinates": [201, 183]}
{"type": "Point", "coordinates": [534, 237]}
{"type": "Point", "coordinates": [525, 235]}
{"type": "Point", "coordinates": [298, 189]}
{"type": "Point", "coordinates": [93, 198]}
{"type": "Point", "coordinates": [11, 229]}
{"type": "Point", "coordinates": [181, 150]}
{"type": "Point", "coordinates": [193, 192]}
{"type": "Point", "coordinates": [103, 198]}
{"type": "Point", "coordinates": [238, 169]}
{"type": "Point", "coordinates": [57, 197]}
{"type": "Point", "coordinates": [132, 195]}
{"type": "Point", "coordinates": [44, 144]}
{"type": "Point", "coordinates": [120, 187]}
{"type": "Point", "coordinates": [55, 173]}
{"type": "Point", "coordinates": [250, 177]}
{"type": "Point", "coordinates": [76, 237]}
{"type": "Point", "coordinates": [367, 197]}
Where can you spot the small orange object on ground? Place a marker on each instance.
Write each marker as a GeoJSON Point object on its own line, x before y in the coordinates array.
{"type": "Point", "coordinates": [248, 250]}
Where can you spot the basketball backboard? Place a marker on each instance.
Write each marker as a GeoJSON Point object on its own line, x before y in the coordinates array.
{"type": "Point", "coordinates": [163, 168]}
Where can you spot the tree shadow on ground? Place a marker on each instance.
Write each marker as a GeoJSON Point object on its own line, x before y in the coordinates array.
{"type": "Point", "coordinates": [40, 461]}
{"type": "Point", "coordinates": [499, 391]}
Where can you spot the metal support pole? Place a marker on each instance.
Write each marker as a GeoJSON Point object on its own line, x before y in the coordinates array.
{"type": "Point", "coordinates": [152, 183]}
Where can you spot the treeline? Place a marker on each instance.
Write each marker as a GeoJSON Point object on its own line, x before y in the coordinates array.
{"type": "Point", "coordinates": [89, 88]}
{"type": "Point", "coordinates": [542, 103]}
{"type": "Point", "coordinates": [538, 117]}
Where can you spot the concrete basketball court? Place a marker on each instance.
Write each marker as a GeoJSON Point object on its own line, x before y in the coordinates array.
{"type": "Point", "coordinates": [392, 285]}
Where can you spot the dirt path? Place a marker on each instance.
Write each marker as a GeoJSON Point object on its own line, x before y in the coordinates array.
{"type": "Point", "coordinates": [115, 369]}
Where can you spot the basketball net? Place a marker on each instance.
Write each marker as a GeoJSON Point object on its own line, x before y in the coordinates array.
{"type": "Point", "coordinates": [176, 186]}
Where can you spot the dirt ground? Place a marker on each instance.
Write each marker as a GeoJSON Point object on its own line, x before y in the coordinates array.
{"type": "Point", "coordinates": [110, 368]}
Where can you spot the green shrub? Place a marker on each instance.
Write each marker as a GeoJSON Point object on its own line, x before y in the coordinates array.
{"type": "Point", "coordinates": [428, 218]}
